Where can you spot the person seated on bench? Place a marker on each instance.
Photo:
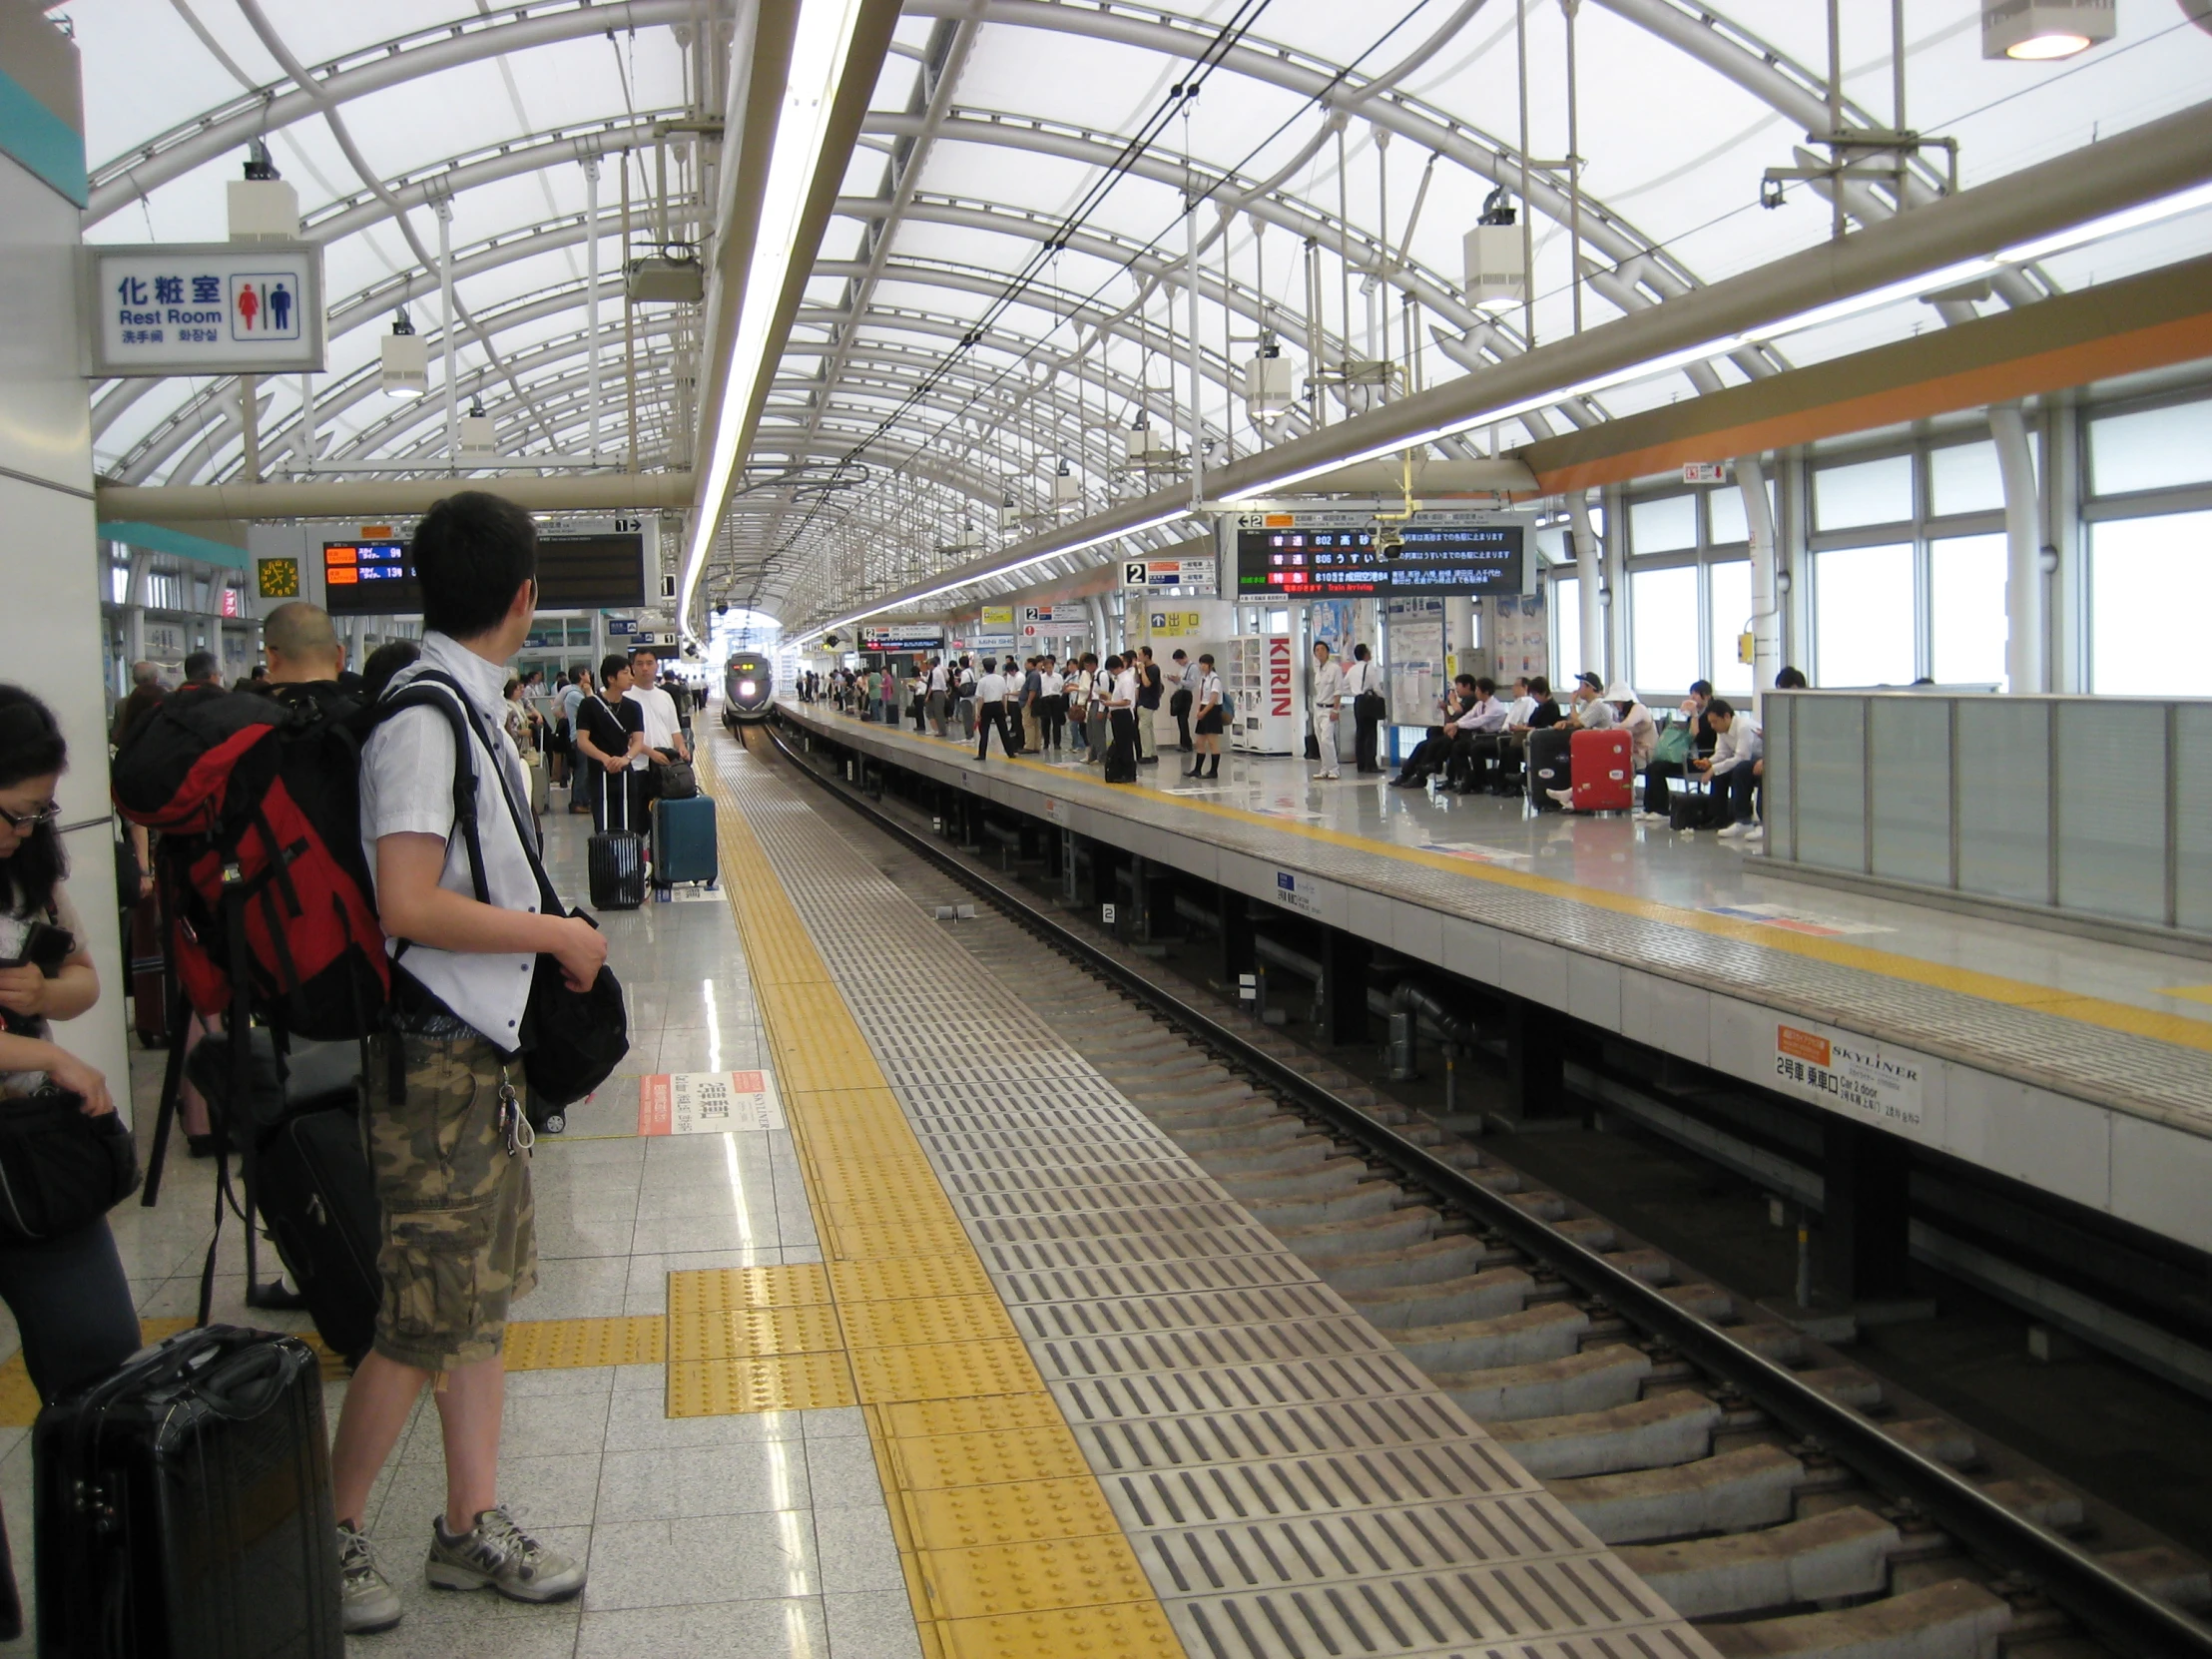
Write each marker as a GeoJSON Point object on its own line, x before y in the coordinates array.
{"type": "Point", "coordinates": [1733, 768]}
{"type": "Point", "coordinates": [1588, 710]}
{"type": "Point", "coordinates": [1658, 798]}
{"type": "Point", "coordinates": [1471, 764]}
{"type": "Point", "coordinates": [1431, 754]}
{"type": "Point", "coordinates": [1632, 717]}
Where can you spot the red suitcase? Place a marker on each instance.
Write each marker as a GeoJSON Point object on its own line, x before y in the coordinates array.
{"type": "Point", "coordinates": [1604, 773]}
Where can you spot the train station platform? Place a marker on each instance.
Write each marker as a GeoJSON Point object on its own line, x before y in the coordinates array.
{"type": "Point", "coordinates": [2077, 1066]}
{"type": "Point", "coordinates": [874, 1321]}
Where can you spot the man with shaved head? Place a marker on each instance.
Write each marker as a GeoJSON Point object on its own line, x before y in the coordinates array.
{"type": "Point", "coordinates": [302, 646]}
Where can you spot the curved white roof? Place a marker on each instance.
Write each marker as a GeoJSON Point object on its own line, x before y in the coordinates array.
{"type": "Point", "coordinates": [1002, 286]}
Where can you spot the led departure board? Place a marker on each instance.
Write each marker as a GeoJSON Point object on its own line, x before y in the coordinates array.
{"type": "Point", "coordinates": [369, 578]}
{"type": "Point", "coordinates": [1332, 555]}
{"type": "Point", "coordinates": [585, 572]}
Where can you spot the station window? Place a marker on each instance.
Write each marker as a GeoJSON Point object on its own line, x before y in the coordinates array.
{"type": "Point", "coordinates": [2150, 585]}
{"type": "Point", "coordinates": [1665, 525]}
{"type": "Point", "coordinates": [1966, 602]}
{"type": "Point", "coordinates": [1964, 479]}
{"type": "Point", "coordinates": [2150, 449]}
{"type": "Point", "coordinates": [1862, 492]}
{"type": "Point", "coordinates": [1566, 626]}
{"type": "Point", "coordinates": [1863, 609]}
{"type": "Point", "coordinates": [1664, 627]}
{"type": "Point", "coordinates": [1730, 588]}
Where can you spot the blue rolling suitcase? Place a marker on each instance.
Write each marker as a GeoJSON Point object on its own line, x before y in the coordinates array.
{"type": "Point", "coordinates": [682, 842]}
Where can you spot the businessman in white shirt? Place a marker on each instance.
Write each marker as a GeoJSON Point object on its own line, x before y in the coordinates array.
{"type": "Point", "coordinates": [990, 711]}
{"type": "Point", "coordinates": [1329, 691]}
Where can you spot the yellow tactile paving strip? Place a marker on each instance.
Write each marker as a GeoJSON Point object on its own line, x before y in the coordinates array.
{"type": "Point", "coordinates": [2179, 1030]}
{"type": "Point", "coordinates": [1006, 1540]}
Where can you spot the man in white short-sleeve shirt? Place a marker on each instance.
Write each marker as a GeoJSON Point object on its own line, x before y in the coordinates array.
{"type": "Point", "coordinates": [664, 733]}
{"type": "Point", "coordinates": [443, 1117]}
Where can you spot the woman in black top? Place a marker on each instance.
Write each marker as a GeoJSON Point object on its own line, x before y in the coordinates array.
{"type": "Point", "coordinates": [608, 732]}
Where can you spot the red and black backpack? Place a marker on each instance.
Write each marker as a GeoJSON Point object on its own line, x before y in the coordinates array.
{"type": "Point", "coordinates": [256, 799]}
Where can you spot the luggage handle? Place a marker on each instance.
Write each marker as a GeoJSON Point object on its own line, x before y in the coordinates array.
{"type": "Point", "coordinates": [246, 1383]}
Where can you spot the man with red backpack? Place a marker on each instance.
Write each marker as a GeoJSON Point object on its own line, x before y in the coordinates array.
{"type": "Point", "coordinates": [446, 1128]}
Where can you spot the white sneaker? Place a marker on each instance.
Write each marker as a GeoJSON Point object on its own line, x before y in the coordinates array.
{"type": "Point", "coordinates": [1565, 797]}
{"type": "Point", "coordinates": [1756, 832]}
{"type": "Point", "coordinates": [1323, 777]}
{"type": "Point", "coordinates": [1651, 817]}
{"type": "Point", "coordinates": [1734, 831]}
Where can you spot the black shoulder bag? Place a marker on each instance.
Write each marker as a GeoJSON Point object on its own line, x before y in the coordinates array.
{"type": "Point", "coordinates": [571, 1040]}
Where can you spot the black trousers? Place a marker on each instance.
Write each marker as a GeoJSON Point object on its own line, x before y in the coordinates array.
{"type": "Point", "coordinates": [72, 1306]}
{"type": "Point", "coordinates": [1052, 719]}
{"type": "Point", "coordinates": [991, 716]}
{"type": "Point", "coordinates": [1365, 722]}
{"type": "Point", "coordinates": [1180, 707]}
{"type": "Point", "coordinates": [1428, 755]}
{"type": "Point", "coordinates": [1657, 797]}
{"type": "Point", "coordinates": [1473, 760]}
{"type": "Point", "coordinates": [1121, 748]}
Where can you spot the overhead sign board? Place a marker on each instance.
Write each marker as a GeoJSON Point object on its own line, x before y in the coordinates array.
{"type": "Point", "coordinates": [1033, 615]}
{"type": "Point", "coordinates": [1705, 472]}
{"type": "Point", "coordinates": [1192, 576]}
{"type": "Point", "coordinates": [902, 636]}
{"type": "Point", "coordinates": [1333, 554]}
{"type": "Point", "coordinates": [369, 578]}
{"type": "Point", "coordinates": [998, 618]}
{"type": "Point", "coordinates": [204, 308]}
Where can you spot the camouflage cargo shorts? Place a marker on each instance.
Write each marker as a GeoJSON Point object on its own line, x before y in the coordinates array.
{"type": "Point", "coordinates": [459, 1244]}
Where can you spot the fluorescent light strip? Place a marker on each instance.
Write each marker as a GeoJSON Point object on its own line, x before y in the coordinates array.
{"type": "Point", "coordinates": [1003, 570]}
{"type": "Point", "coordinates": [1934, 281]}
{"type": "Point", "coordinates": [820, 46]}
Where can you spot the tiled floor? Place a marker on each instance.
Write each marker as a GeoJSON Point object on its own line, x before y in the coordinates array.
{"type": "Point", "coordinates": [758, 1535]}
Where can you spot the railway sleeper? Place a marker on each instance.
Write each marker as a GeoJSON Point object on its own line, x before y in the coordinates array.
{"type": "Point", "coordinates": [1593, 1380]}
{"type": "Point", "coordinates": [1356, 1203]}
{"type": "Point", "coordinates": [1341, 1241]}
{"type": "Point", "coordinates": [1664, 1430]}
{"type": "Point", "coordinates": [1332, 1174]}
{"type": "Point", "coordinates": [1747, 1486]}
{"type": "Point", "coordinates": [1427, 1261]}
{"type": "Point", "coordinates": [1548, 1330]}
{"type": "Point", "coordinates": [1828, 1558]}
{"type": "Point", "coordinates": [1483, 1295]}
{"type": "Point", "coordinates": [1954, 1620]}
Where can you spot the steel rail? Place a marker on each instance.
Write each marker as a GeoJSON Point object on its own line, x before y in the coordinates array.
{"type": "Point", "coordinates": [2137, 1623]}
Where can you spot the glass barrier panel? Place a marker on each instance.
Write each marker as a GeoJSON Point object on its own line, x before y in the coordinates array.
{"type": "Point", "coordinates": [2110, 775]}
{"type": "Point", "coordinates": [1781, 804]}
{"type": "Point", "coordinates": [2004, 798]}
{"type": "Point", "coordinates": [1830, 781]}
{"type": "Point", "coordinates": [2193, 820]}
{"type": "Point", "coordinates": [1910, 820]}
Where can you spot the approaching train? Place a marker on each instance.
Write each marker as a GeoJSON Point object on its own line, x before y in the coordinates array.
{"type": "Point", "coordinates": [747, 688]}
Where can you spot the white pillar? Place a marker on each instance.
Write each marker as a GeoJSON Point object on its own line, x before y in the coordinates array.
{"type": "Point", "coordinates": [591, 293]}
{"type": "Point", "coordinates": [446, 329]}
{"type": "Point", "coordinates": [1589, 581]}
{"type": "Point", "coordinates": [306, 445]}
{"type": "Point", "coordinates": [2024, 565]}
{"type": "Point", "coordinates": [1766, 604]}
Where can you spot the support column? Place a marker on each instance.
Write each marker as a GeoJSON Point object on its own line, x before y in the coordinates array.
{"type": "Point", "coordinates": [1344, 986]}
{"type": "Point", "coordinates": [1589, 579]}
{"type": "Point", "coordinates": [1765, 599]}
{"type": "Point", "coordinates": [1535, 1061]}
{"type": "Point", "coordinates": [2024, 564]}
{"type": "Point", "coordinates": [591, 295]}
{"type": "Point", "coordinates": [445, 330]}
{"type": "Point", "coordinates": [1864, 1249]}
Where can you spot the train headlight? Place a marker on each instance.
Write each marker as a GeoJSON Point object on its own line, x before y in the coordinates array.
{"type": "Point", "coordinates": [747, 688]}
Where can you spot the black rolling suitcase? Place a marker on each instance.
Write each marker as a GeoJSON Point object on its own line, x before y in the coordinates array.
{"type": "Point", "coordinates": [313, 1190]}
{"type": "Point", "coordinates": [1551, 764]}
{"type": "Point", "coordinates": [184, 1506]}
{"type": "Point", "coordinates": [616, 856]}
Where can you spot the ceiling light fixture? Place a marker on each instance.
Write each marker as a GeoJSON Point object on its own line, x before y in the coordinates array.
{"type": "Point", "coordinates": [2044, 31]}
{"type": "Point", "coordinates": [821, 43]}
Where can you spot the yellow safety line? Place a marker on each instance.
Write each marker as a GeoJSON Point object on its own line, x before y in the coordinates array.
{"type": "Point", "coordinates": [1005, 1539]}
{"type": "Point", "coordinates": [2180, 1029]}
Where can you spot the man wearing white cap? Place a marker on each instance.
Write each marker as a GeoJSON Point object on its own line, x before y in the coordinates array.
{"type": "Point", "coordinates": [1617, 706]}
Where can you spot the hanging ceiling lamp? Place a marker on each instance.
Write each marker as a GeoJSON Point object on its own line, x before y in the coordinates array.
{"type": "Point", "coordinates": [2038, 31]}
{"type": "Point", "coordinates": [406, 364]}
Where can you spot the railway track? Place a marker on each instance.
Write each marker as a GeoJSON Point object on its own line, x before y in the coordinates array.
{"type": "Point", "coordinates": [1786, 1501]}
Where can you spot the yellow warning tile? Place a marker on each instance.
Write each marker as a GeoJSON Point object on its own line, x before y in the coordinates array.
{"type": "Point", "coordinates": [903, 1181]}
{"type": "Point", "coordinates": [897, 1278]}
{"type": "Point", "coordinates": [946, 1319]}
{"type": "Point", "coordinates": [742, 1332]}
{"type": "Point", "coordinates": [563, 1344]}
{"type": "Point", "coordinates": [910, 1420]}
{"type": "Point", "coordinates": [857, 1243]}
{"type": "Point", "coordinates": [944, 1371]}
{"type": "Point", "coordinates": [1045, 1451]}
{"type": "Point", "coordinates": [992, 1580]}
{"type": "Point", "coordinates": [770, 1383]}
{"type": "Point", "coordinates": [703, 1290]}
{"type": "Point", "coordinates": [1130, 1630]}
{"type": "Point", "coordinates": [1007, 1513]}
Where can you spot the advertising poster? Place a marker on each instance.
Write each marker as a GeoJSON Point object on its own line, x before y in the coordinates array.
{"type": "Point", "coordinates": [1415, 630]}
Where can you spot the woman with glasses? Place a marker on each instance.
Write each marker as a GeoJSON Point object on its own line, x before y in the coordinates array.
{"type": "Point", "coordinates": [69, 1296]}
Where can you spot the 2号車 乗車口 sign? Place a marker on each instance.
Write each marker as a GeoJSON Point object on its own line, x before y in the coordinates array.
{"type": "Point", "coordinates": [204, 308]}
